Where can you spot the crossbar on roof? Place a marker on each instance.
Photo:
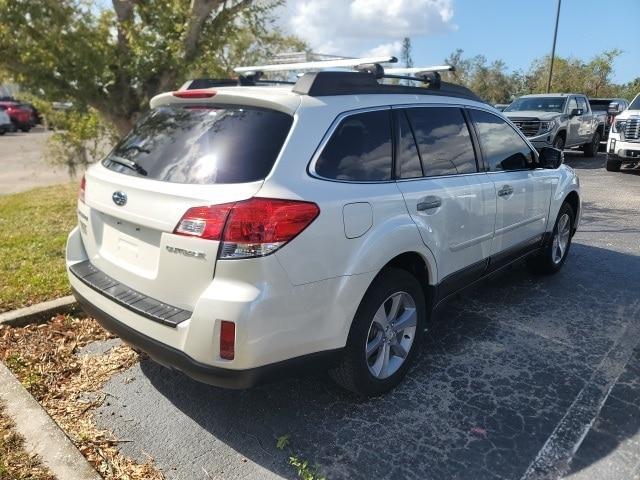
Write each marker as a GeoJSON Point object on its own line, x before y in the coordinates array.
{"type": "Point", "coordinates": [342, 63]}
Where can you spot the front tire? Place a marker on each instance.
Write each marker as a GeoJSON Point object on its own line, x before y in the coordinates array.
{"type": "Point", "coordinates": [559, 142]}
{"type": "Point", "coordinates": [591, 148]}
{"type": "Point", "coordinates": [385, 335]}
{"type": "Point", "coordinates": [554, 253]}
{"type": "Point", "coordinates": [613, 165]}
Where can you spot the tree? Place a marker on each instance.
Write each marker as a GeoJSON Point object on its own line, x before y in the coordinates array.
{"type": "Point", "coordinates": [114, 60]}
{"type": "Point", "coordinates": [406, 52]}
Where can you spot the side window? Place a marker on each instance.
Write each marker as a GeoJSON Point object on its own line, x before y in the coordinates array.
{"type": "Point", "coordinates": [582, 103]}
{"type": "Point", "coordinates": [407, 159]}
{"type": "Point", "coordinates": [359, 149]}
{"type": "Point", "coordinates": [572, 105]}
{"type": "Point", "coordinates": [443, 140]}
{"type": "Point", "coordinates": [502, 147]}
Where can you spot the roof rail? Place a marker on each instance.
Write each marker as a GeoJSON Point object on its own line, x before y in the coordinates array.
{"type": "Point", "coordinates": [341, 63]}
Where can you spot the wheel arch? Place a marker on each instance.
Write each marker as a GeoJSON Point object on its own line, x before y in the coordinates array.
{"type": "Point", "coordinates": [573, 199]}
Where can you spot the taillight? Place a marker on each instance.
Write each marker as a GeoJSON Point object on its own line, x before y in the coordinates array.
{"type": "Point", "coordinates": [83, 188]}
{"type": "Point", "coordinates": [227, 340]}
{"type": "Point", "coordinates": [194, 93]}
{"type": "Point", "coordinates": [250, 228]}
{"type": "Point", "coordinates": [204, 222]}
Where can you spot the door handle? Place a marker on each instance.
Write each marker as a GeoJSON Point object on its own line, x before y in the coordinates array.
{"type": "Point", "coordinates": [429, 203]}
{"type": "Point", "coordinates": [505, 191]}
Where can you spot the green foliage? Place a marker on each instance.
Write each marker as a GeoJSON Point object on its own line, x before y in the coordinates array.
{"type": "Point", "coordinates": [493, 83]}
{"type": "Point", "coordinates": [81, 138]}
{"type": "Point", "coordinates": [305, 471]}
{"type": "Point", "coordinates": [282, 442]}
{"type": "Point", "coordinates": [405, 56]}
{"type": "Point", "coordinates": [115, 60]}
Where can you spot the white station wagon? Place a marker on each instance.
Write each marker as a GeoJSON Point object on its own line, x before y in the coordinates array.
{"type": "Point", "coordinates": [239, 232]}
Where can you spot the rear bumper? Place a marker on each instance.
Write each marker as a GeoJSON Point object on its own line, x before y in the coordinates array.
{"type": "Point", "coordinates": [221, 377]}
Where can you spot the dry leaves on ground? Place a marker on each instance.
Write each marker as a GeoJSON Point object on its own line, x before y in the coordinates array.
{"type": "Point", "coordinates": [15, 462]}
{"type": "Point", "coordinates": [44, 358]}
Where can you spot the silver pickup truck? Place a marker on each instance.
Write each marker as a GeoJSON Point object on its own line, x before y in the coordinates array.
{"type": "Point", "coordinates": [560, 120]}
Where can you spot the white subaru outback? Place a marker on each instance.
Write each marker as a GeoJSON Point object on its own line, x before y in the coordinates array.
{"type": "Point", "coordinates": [239, 232]}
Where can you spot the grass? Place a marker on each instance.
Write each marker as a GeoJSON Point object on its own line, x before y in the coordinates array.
{"type": "Point", "coordinates": [15, 462]}
{"type": "Point", "coordinates": [33, 230]}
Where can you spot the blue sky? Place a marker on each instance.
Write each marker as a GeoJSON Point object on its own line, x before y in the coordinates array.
{"type": "Point", "coordinates": [519, 31]}
{"type": "Point", "coordinates": [515, 31]}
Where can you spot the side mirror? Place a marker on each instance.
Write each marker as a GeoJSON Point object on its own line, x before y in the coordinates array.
{"type": "Point", "coordinates": [615, 108]}
{"type": "Point", "coordinates": [550, 158]}
{"type": "Point", "coordinates": [576, 112]}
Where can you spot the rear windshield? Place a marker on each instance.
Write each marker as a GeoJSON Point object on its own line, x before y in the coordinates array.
{"type": "Point", "coordinates": [201, 145]}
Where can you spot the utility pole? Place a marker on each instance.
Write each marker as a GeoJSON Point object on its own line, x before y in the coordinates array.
{"type": "Point", "coordinates": [553, 48]}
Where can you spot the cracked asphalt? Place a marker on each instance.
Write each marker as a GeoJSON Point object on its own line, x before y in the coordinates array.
{"type": "Point", "coordinates": [522, 377]}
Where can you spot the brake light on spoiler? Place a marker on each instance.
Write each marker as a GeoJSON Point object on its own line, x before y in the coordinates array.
{"type": "Point", "coordinates": [250, 228]}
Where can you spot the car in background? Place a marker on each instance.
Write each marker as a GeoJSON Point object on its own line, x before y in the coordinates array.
{"type": "Point", "coordinates": [623, 146]}
{"type": "Point", "coordinates": [20, 116]}
{"type": "Point", "coordinates": [5, 122]}
{"type": "Point", "coordinates": [560, 120]}
{"type": "Point", "coordinates": [611, 107]}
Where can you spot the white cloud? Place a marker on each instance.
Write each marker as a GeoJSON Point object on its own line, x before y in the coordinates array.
{"type": "Point", "coordinates": [357, 27]}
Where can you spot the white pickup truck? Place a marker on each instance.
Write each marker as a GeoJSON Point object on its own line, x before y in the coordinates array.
{"type": "Point", "coordinates": [623, 146]}
{"type": "Point", "coordinates": [561, 120]}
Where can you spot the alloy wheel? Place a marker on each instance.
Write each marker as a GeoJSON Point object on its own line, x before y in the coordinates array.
{"type": "Point", "coordinates": [561, 239]}
{"type": "Point", "coordinates": [391, 335]}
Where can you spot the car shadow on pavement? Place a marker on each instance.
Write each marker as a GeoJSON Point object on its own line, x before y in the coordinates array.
{"type": "Point", "coordinates": [500, 367]}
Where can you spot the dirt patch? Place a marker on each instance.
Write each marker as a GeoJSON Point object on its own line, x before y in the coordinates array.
{"type": "Point", "coordinates": [45, 359]}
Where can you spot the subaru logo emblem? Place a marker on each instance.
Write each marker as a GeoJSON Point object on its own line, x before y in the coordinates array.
{"type": "Point", "coordinates": [119, 198]}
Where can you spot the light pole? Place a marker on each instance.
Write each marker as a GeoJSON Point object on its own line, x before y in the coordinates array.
{"type": "Point", "coordinates": [553, 48]}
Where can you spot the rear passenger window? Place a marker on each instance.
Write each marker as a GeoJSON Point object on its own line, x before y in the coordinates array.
{"type": "Point", "coordinates": [502, 147]}
{"type": "Point", "coordinates": [443, 140]}
{"type": "Point", "coordinates": [408, 159]}
{"type": "Point", "coordinates": [359, 149]}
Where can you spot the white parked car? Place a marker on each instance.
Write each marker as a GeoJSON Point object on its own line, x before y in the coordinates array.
{"type": "Point", "coordinates": [623, 146]}
{"type": "Point", "coordinates": [241, 232]}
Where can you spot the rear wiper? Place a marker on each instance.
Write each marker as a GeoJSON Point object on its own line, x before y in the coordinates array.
{"type": "Point", "coordinates": [129, 164]}
{"type": "Point", "coordinates": [135, 147]}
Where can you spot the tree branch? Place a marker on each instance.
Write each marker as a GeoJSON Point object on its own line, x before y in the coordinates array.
{"type": "Point", "coordinates": [200, 10]}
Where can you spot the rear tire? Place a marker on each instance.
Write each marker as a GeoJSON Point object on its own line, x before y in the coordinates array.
{"type": "Point", "coordinates": [553, 254]}
{"type": "Point", "coordinates": [591, 148]}
{"type": "Point", "coordinates": [379, 350]}
{"type": "Point", "coordinates": [613, 165]}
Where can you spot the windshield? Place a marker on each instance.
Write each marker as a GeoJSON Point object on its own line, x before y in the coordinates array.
{"type": "Point", "coordinates": [202, 145]}
{"type": "Point", "coordinates": [635, 104]}
{"type": "Point", "coordinates": [542, 104]}
{"type": "Point", "coordinates": [600, 105]}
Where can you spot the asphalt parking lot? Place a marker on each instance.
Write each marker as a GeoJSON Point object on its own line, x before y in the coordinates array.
{"type": "Point", "coordinates": [23, 162]}
{"type": "Point", "coordinates": [523, 377]}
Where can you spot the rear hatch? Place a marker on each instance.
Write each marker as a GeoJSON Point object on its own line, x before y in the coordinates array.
{"type": "Point", "coordinates": [177, 158]}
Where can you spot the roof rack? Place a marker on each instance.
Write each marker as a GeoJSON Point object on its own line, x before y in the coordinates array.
{"type": "Point", "coordinates": [340, 63]}
{"type": "Point", "coordinates": [365, 78]}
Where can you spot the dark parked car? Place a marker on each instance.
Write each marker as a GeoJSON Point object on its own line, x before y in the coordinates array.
{"type": "Point", "coordinates": [610, 106]}
{"type": "Point", "coordinates": [20, 116]}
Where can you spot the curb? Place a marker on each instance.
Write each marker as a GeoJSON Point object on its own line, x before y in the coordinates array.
{"type": "Point", "coordinates": [41, 434]}
{"type": "Point", "coordinates": [38, 312]}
